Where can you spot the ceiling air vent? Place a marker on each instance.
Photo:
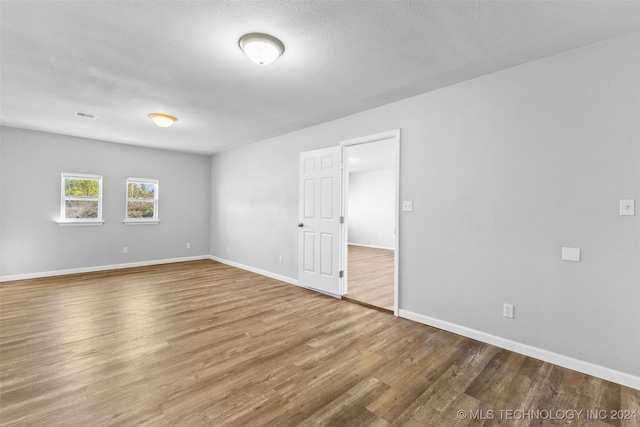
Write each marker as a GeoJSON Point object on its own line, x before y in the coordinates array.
{"type": "Point", "coordinates": [86, 115]}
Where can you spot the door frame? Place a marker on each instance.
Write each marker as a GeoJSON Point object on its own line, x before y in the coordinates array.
{"type": "Point", "coordinates": [393, 136]}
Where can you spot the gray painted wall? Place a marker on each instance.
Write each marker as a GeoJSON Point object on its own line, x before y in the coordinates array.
{"type": "Point", "coordinates": [31, 242]}
{"type": "Point", "coordinates": [503, 171]}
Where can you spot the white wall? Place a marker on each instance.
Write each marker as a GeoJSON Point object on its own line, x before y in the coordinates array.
{"type": "Point", "coordinates": [503, 171]}
{"type": "Point", "coordinates": [31, 242]}
{"type": "Point", "coordinates": [371, 208]}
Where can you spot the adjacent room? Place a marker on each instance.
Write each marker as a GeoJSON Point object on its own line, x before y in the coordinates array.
{"type": "Point", "coordinates": [357, 213]}
{"type": "Point", "coordinates": [371, 198]}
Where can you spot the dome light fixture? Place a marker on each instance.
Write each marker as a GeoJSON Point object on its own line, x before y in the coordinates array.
{"type": "Point", "coordinates": [262, 49]}
{"type": "Point", "coordinates": [162, 120]}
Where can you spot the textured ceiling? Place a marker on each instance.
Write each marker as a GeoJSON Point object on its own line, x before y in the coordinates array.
{"type": "Point", "coordinates": [121, 60]}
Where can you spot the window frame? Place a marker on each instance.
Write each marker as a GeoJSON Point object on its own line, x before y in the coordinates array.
{"type": "Point", "coordinates": [152, 220]}
{"type": "Point", "coordinates": [63, 220]}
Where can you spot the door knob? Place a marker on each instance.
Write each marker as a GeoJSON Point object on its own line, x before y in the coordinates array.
{"type": "Point", "coordinates": [300, 224]}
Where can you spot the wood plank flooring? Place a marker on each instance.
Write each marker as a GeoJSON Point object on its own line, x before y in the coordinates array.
{"type": "Point", "coordinates": [204, 344]}
{"type": "Point", "coordinates": [370, 276]}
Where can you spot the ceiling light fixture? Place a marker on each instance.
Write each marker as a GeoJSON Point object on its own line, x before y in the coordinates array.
{"type": "Point", "coordinates": [262, 49]}
{"type": "Point", "coordinates": [162, 120]}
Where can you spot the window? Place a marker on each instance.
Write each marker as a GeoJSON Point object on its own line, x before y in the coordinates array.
{"type": "Point", "coordinates": [81, 199]}
{"type": "Point", "coordinates": [142, 201]}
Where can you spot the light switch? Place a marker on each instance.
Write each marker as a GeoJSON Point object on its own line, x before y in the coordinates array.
{"type": "Point", "coordinates": [407, 206]}
{"type": "Point", "coordinates": [627, 207]}
{"type": "Point", "coordinates": [571, 254]}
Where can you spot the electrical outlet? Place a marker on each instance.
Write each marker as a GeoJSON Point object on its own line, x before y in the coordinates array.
{"type": "Point", "coordinates": [507, 311]}
{"type": "Point", "coordinates": [281, 259]}
{"type": "Point", "coordinates": [227, 248]}
{"type": "Point", "coordinates": [188, 245]}
{"type": "Point", "coordinates": [125, 250]}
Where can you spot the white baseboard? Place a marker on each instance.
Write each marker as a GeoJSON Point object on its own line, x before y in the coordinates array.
{"type": "Point", "coordinates": [538, 353]}
{"type": "Point", "coordinates": [370, 246]}
{"type": "Point", "coordinates": [255, 270]}
{"type": "Point", "coordinates": [285, 279]}
{"type": "Point", "coordinates": [97, 268]}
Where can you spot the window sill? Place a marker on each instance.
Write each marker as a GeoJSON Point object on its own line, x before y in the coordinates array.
{"type": "Point", "coordinates": [78, 223]}
{"type": "Point", "coordinates": [144, 222]}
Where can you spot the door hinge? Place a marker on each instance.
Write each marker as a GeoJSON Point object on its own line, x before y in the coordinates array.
{"type": "Point", "coordinates": [341, 220]}
{"type": "Point", "coordinates": [341, 274]}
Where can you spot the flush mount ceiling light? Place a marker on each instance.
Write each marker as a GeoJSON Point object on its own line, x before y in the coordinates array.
{"type": "Point", "coordinates": [162, 120]}
{"type": "Point", "coordinates": [262, 49]}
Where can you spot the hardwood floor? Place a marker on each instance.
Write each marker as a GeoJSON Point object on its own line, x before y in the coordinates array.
{"type": "Point", "coordinates": [370, 276]}
{"type": "Point", "coordinates": [201, 343]}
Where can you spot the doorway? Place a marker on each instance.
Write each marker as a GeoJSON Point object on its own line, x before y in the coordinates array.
{"type": "Point", "coordinates": [371, 206]}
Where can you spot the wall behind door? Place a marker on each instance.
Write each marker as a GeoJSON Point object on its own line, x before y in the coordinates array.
{"type": "Point", "coordinates": [371, 214]}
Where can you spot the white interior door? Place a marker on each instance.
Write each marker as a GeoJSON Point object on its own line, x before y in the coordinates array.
{"type": "Point", "coordinates": [319, 241]}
